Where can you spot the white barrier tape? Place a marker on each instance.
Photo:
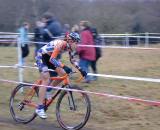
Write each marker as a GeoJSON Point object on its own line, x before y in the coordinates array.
{"type": "Point", "coordinates": [15, 36]}
{"type": "Point", "coordinates": [123, 34]}
{"type": "Point", "coordinates": [113, 47]}
{"type": "Point", "coordinates": [131, 99]}
{"type": "Point", "coordinates": [121, 47]}
{"type": "Point", "coordinates": [103, 34]}
{"type": "Point", "coordinates": [99, 75]}
{"type": "Point", "coordinates": [129, 36]}
{"type": "Point", "coordinates": [8, 40]}
{"type": "Point", "coordinates": [14, 33]}
{"type": "Point", "coordinates": [127, 77]}
{"type": "Point", "coordinates": [17, 66]}
{"type": "Point", "coordinates": [100, 46]}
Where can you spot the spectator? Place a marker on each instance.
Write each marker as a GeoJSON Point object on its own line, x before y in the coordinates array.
{"type": "Point", "coordinates": [75, 28]}
{"type": "Point", "coordinates": [97, 41]}
{"type": "Point", "coordinates": [66, 29]}
{"type": "Point", "coordinates": [38, 35]}
{"type": "Point", "coordinates": [86, 54]}
{"type": "Point", "coordinates": [52, 29]}
{"type": "Point", "coordinates": [24, 40]}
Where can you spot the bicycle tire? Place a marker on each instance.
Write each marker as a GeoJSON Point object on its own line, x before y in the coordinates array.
{"type": "Point", "coordinates": [27, 114]}
{"type": "Point", "coordinates": [81, 123]}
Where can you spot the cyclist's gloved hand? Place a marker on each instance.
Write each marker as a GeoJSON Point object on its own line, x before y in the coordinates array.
{"type": "Point", "coordinates": [67, 69]}
{"type": "Point", "coordinates": [84, 73]}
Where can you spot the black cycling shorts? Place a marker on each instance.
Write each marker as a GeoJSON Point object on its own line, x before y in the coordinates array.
{"type": "Point", "coordinates": [48, 65]}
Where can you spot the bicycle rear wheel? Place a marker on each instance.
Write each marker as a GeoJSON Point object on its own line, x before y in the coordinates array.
{"type": "Point", "coordinates": [22, 103]}
{"type": "Point", "coordinates": [73, 109]}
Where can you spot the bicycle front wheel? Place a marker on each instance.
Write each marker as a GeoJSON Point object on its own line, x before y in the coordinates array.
{"type": "Point", "coordinates": [73, 109]}
{"type": "Point", "coordinates": [23, 102]}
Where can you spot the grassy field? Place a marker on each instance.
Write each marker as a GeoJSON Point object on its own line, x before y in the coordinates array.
{"type": "Point", "coordinates": [107, 113]}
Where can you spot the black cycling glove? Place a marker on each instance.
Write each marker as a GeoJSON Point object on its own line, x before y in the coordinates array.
{"type": "Point", "coordinates": [67, 69]}
{"type": "Point", "coordinates": [84, 73]}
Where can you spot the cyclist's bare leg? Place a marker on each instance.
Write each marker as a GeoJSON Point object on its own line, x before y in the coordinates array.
{"type": "Point", "coordinates": [45, 81]}
{"type": "Point", "coordinates": [42, 92]}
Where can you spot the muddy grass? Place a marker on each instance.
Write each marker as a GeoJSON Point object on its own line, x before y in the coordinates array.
{"type": "Point", "coordinates": [107, 113]}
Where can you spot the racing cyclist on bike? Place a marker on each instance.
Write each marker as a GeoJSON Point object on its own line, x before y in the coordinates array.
{"type": "Point", "coordinates": [46, 59]}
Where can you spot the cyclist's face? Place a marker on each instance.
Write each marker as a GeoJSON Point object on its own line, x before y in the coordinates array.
{"type": "Point", "coordinates": [73, 44]}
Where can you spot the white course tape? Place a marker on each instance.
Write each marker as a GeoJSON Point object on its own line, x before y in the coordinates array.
{"type": "Point", "coordinates": [129, 36]}
{"type": "Point", "coordinates": [121, 47]}
{"type": "Point", "coordinates": [130, 99]}
{"type": "Point", "coordinates": [127, 77]}
{"type": "Point", "coordinates": [113, 47]}
{"type": "Point", "coordinates": [99, 75]}
{"type": "Point", "coordinates": [8, 40]}
{"type": "Point", "coordinates": [17, 66]}
{"type": "Point", "coordinates": [100, 46]}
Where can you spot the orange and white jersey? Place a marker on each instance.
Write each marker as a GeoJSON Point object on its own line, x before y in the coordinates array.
{"type": "Point", "coordinates": [52, 49]}
{"type": "Point", "coordinates": [51, 46]}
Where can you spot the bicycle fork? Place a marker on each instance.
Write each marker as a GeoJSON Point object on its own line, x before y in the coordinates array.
{"type": "Point", "coordinates": [71, 101]}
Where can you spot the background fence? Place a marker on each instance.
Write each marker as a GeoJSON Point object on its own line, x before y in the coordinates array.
{"type": "Point", "coordinates": [127, 39]}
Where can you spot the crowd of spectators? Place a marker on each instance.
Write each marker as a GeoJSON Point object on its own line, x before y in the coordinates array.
{"type": "Point", "coordinates": [49, 28]}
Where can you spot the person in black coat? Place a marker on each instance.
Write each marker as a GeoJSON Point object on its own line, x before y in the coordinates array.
{"type": "Point", "coordinates": [97, 41]}
{"type": "Point", "coordinates": [38, 35]}
{"type": "Point", "coordinates": [52, 29]}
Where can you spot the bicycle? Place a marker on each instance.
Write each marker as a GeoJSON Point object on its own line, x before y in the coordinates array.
{"type": "Point", "coordinates": [69, 105]}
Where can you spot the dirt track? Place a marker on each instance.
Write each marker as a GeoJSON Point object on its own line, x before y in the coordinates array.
{"type": "Point", "coordinates": [9, 124]}
{"type": "Point", "coordinates": [107, 114]}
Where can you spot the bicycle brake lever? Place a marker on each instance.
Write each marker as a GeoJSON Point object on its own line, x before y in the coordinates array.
{"type": "Point", "coordinates": [80, 79]}
{"type": "Point", "coordinates": [73, 72]}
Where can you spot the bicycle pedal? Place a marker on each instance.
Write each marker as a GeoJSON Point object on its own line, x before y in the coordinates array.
{"type": "Point", "coordinates": [21, 106]}
{"type": "Point", "coordinates": [73, 108]}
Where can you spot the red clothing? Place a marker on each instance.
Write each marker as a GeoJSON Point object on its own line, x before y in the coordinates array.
{"type": "Point", "coordinates": [87, 53]}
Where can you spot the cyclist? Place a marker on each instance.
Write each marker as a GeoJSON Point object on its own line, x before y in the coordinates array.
{"type": "Point", "coordinates": [46, 59]}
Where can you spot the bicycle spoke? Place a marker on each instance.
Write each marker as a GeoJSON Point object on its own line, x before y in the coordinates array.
{"type": "Point", "coordinates": [68, 113]}
{"type": "Point", "coordinates": [73, 110]}
{"type": "Point", "coordinates": [22, 105]}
